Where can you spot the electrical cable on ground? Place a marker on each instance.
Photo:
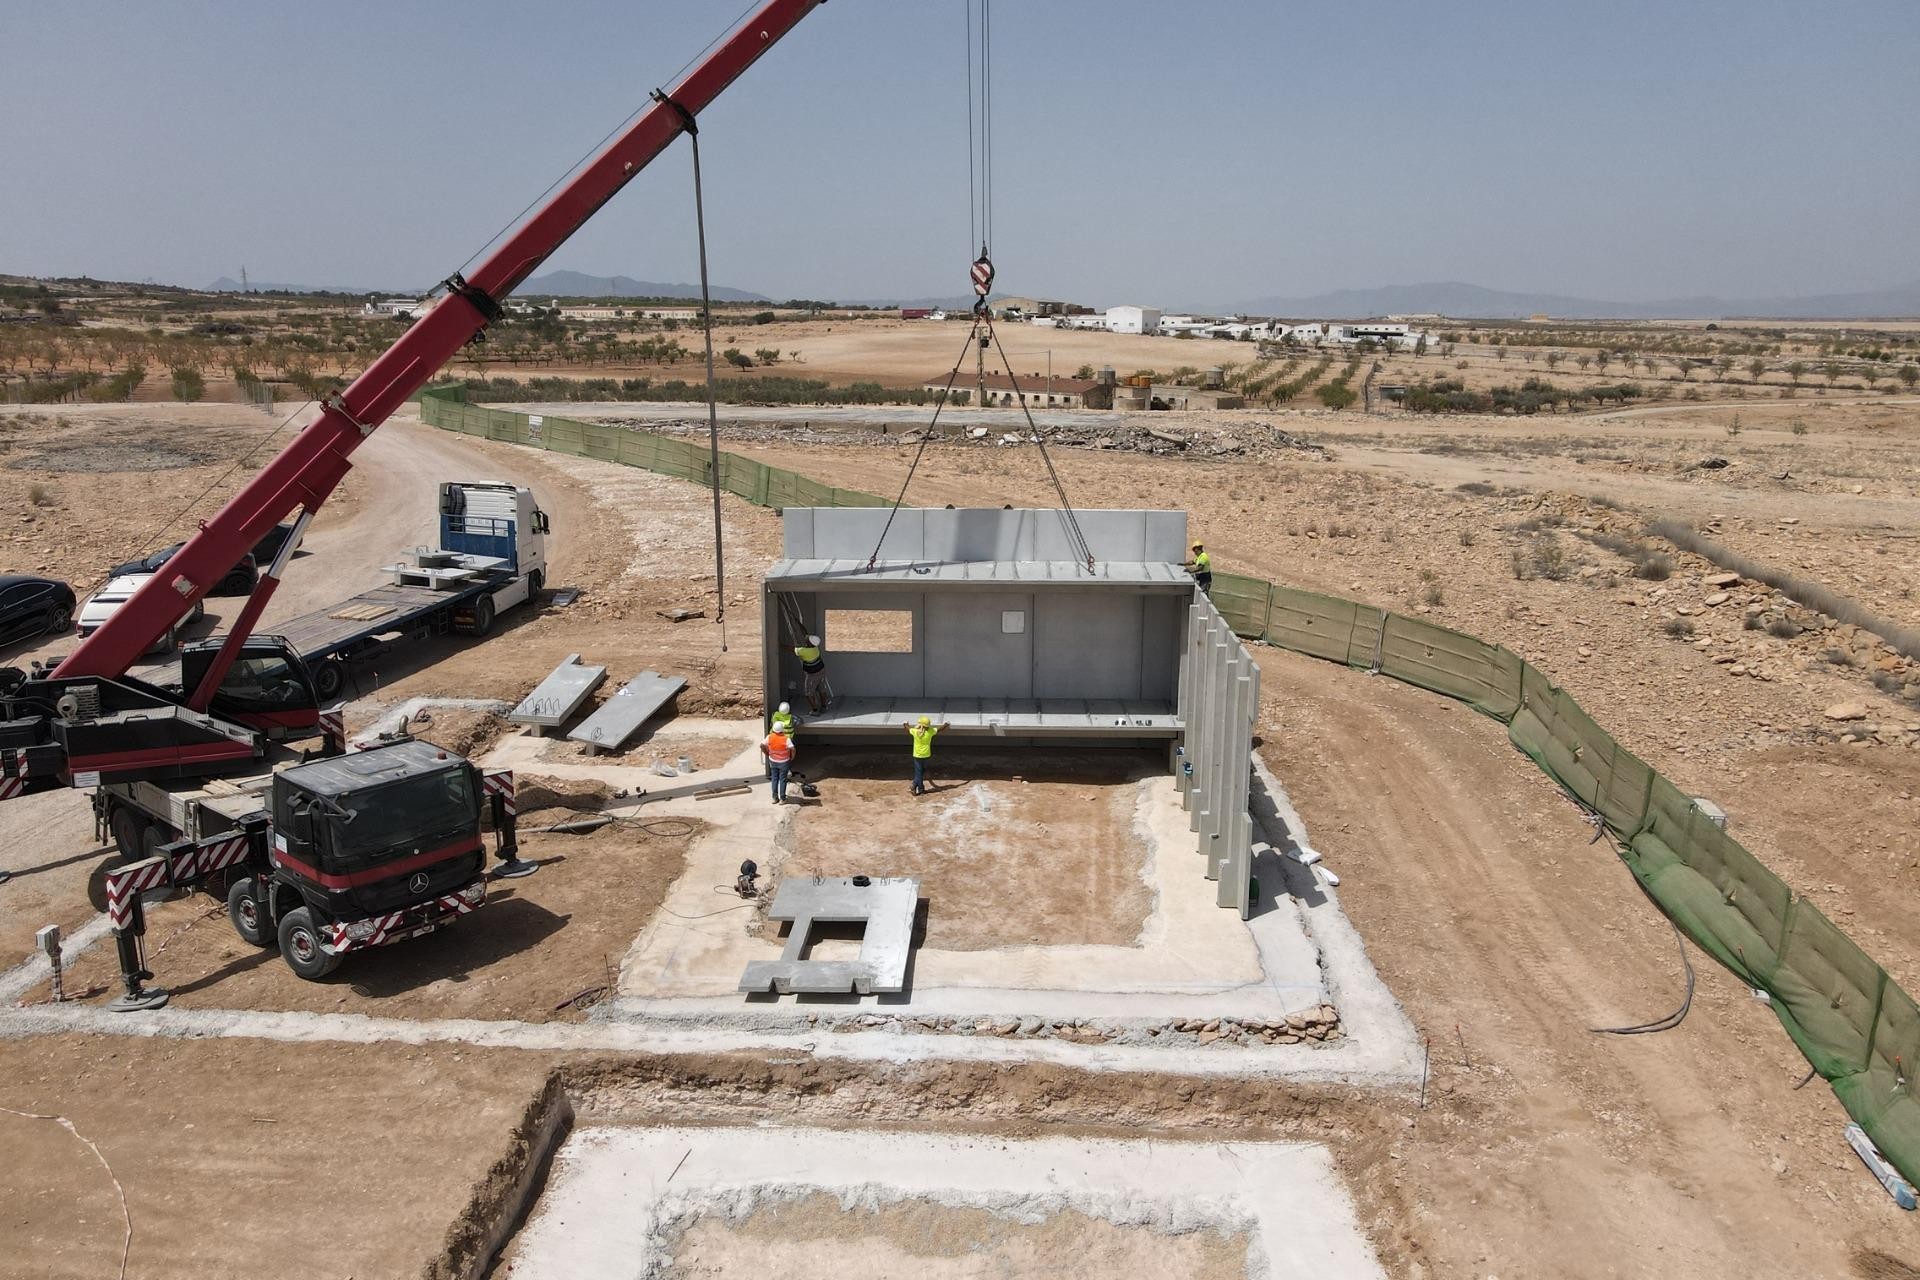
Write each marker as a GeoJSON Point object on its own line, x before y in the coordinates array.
{"type": "Point", "coordinates": [126, 1245]}
{"type": "Point", "coordinates": [1671, 1020]}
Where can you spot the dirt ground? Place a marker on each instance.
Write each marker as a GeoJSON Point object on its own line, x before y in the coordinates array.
{"type": "Point", "coordinates": [813, 1238]}
{"type": "Point", "coordinates": [537, 943]}
{"type": "Point", "coordinates": [1544, 1149]}
{"type": "Point", "coordinates": [1014, 850]}
{"type": "Point", "coordinates": [1508, 935]}
{"type": "Point", "coordinates": [371, 1153]}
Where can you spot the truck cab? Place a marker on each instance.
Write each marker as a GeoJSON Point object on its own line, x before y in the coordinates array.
{"type": "Point", "coordinates": [494, 519]}
{"type": "Point", "coordinates": [368, 848]}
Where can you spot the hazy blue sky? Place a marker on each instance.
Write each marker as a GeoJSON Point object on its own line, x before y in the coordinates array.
{"type": "Point", "coordinates": [1174, 153]}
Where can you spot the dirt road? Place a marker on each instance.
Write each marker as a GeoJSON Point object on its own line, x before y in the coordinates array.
{"type": "Point", "coordinates": [1547, 1149]}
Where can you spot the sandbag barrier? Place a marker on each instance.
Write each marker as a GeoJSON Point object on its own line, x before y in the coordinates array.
{"type": "Point", "coordinates": [1857, 1027]}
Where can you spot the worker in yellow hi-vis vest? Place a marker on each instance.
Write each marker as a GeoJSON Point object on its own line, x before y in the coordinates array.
{"type": "Point", "coordinates": [922, 735]}
{"type": "Point", "coordinates": [1201, 567]}
{"type": "Point", "coordinates": [813, 666]}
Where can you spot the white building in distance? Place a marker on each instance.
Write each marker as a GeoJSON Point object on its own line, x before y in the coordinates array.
{"type": "Point", "coordinates": [1133, 320]}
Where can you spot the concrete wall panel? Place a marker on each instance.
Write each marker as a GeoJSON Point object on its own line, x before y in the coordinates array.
{"type": "Point", "coordinates": [1088, 645]}
{"type": "Point", "coordinates": [967, 654]}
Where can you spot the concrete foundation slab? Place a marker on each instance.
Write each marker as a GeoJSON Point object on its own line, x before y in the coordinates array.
{"type": "Point", "coordinates": [884, 906]}
{"type": "Point", "coordinates": [632, 705]}
{"type": "Point", "coordinates": [555, 699]}
{"type": "Point", "coordinates": [618, 1200]}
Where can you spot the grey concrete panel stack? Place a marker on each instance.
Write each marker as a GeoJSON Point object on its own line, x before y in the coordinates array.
{"type": "Point", "coordinates": [1219, 702]}
{"type": "Point", "coordinates": [553, 703]}
{"type": "Point", "coordinates": [885, 906]}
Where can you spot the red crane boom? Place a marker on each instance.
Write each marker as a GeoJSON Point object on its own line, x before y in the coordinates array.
{"type": "Point", "coordinates": [313, 463]}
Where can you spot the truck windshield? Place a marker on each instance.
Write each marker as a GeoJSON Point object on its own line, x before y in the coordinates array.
{"type": "Point", "coordinates": [394, 820]}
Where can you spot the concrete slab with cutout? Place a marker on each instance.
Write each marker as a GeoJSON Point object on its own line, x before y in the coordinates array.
{"type": "Point", "coordinates": [886, 906]}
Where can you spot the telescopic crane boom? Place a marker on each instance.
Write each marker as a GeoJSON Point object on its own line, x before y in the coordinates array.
{"type": "Point", "coordinates": [311, 465]}
{"type": "Point", "coordinates": [88, 721]}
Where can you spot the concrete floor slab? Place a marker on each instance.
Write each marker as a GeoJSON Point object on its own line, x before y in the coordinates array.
{"type": "Point", "coordinates": [617, 1198]}
{"type": "Point", "coordinates": [1191, 958]}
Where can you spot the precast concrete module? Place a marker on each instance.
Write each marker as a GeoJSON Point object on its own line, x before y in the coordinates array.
{"type": "Point", "coordinates": [991, 622]}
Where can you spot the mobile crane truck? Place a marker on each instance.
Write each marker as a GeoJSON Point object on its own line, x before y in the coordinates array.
{"type": "Point", "coordinates": [352, 849]}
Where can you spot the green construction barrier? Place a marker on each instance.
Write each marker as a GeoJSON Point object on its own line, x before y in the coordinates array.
{"type": "Point", "coordinates": [1482, 675]}
{"type": "Point", "coordinates": [1855, 1025]}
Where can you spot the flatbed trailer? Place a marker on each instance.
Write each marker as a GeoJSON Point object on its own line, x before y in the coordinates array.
{"type": "Point", "coordinates": [379, 619]}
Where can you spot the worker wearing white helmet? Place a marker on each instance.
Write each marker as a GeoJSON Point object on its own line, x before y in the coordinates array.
{"type": "Point", "coordinates": [813, 666]}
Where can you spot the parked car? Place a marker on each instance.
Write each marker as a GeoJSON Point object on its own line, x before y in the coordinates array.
{"type": "Point", "coordinates": [268, 547]}
{"type": "Point", "coordinates": [238, 581]}
{"type": "Point", "coordinates": [31, 607]}
{"type": "Point", "coordinates": [105, 602]}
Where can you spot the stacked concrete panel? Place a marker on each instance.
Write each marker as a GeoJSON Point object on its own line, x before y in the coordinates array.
{"type": "Point", "coordinates": [1219, 701]}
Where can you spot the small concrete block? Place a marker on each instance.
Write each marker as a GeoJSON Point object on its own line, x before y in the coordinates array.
{"type": "Point", "coordinates": [558, 696]}
{"type": "Point", "coordinates": [886, 906]}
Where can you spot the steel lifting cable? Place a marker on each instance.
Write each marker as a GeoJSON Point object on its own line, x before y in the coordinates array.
{"type": "Point", "coordinates": [1033, 432]}
{"type": "Point", "coordinates": [913, 466]}
{"type": "Point", "coordinates": [713, 403]}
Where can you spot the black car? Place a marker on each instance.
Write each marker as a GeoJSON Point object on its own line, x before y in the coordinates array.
{"type": "Point", "coordinates": [238, 581]}
{"type": "Point", "coordinates": [31, 607]}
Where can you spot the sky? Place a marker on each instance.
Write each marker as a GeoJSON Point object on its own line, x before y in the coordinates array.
{"type": "Point", "coordinates": [1173, 154]}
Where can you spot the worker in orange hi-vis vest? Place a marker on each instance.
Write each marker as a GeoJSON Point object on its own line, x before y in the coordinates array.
{"type": "Point", "coordinates": [778, 750]}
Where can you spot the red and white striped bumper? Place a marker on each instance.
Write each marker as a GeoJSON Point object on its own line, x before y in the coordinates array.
{"type": "Point", "coordinates": [376, 931]}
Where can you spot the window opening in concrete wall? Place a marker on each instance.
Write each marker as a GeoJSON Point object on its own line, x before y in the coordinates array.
{"type": "Point", "coordinates": [870, 630]}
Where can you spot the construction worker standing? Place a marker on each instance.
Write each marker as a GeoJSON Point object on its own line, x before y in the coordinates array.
{"type": "Point", "coordinates": [922, 734]}
{"type": "Point", "coordinates": [778, 749]}
{"type": "Point", "coordinates": [1201, 567]}
{"type": "Point", "coordinates": [813, 664]}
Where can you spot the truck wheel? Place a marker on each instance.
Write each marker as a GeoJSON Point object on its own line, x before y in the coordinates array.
{"type": "Point", "coordinates": [248, 913]}
{"type": "Point", "coordinates": [155, 835]}
{"type": "Point", "coordinates": [329, 678]}
{"type": "Point", "coordinates": [483, 615]}
{"type": "Point", "coordinates": [129, 831]}
{"type": "Point", "coordinates": [300, 946]}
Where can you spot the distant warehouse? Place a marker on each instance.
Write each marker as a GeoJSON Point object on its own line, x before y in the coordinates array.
{"type": "Point", "coordinates": [1038, 390]}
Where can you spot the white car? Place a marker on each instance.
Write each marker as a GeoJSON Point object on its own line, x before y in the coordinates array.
{"type": "Point", "coordinates": [103, 603]}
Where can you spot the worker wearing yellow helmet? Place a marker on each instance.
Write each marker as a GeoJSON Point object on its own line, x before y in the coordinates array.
{"type": "Point", "coordinates": [1201, 567]}
{"type": "Point", "coordinates": [922, 735]}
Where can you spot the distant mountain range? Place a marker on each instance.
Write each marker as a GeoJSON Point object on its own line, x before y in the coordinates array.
{"type": "Point", "coordinates": [1471, 301]}
{"type": "Point", "coordinates": [576, 284]}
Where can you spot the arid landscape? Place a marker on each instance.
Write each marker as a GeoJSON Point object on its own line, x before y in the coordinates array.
{"type": "Point", "coordinates": [1592, 543]}
{"type": "Point", "coordinates": [1291, 653]}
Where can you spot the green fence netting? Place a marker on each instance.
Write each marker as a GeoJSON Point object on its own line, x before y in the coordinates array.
{"type": "Point", "coordinates": [1855, 1025]}
{"type": "Point", "coordinates": [741, 476]}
